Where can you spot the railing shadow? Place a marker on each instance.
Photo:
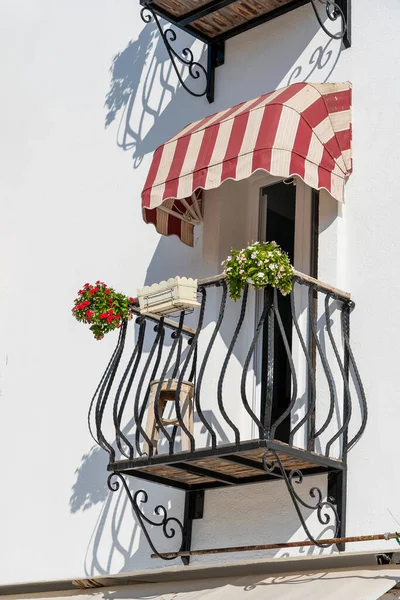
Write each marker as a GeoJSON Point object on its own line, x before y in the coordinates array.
{"type": "Point", "coordinates": [150, 106]}
{"type": "Point", "coordinates": [117, 544]}
{"type": "Point", "coordinates": [321, 64]}
{"type": "Point", "coordinates": [144, 94]}
{"type": "Point", "coordinates": [90, 487]}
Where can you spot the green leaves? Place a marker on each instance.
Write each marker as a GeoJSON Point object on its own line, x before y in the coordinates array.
{"type": "Point", "coordinates": [264, 264]}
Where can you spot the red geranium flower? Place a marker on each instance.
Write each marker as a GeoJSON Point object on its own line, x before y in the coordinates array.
{"type": "Point", "coordinates": [87, 309]}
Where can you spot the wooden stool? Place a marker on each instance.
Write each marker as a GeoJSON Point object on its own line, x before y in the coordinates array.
{"type": "Point", "coordinates": [167, 394]}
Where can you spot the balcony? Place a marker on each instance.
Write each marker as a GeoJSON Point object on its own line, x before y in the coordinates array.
{"type": "Point", "coordinates": [233, 393]}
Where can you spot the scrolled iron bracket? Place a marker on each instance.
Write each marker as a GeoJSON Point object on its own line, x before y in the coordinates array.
{"type": "Point", "coordinates": [325, 509]}
{"type": "Point", "coordinates": [165, 523]}
{"type": "Point", "coordinates": [335, 10]}
{"type": "Point", "coordinates": [196, 70]}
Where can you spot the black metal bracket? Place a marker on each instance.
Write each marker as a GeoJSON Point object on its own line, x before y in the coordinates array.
{"type": "Point", "coordinates": [330, 511]}
{"type": "Point", "coordinates": [345, 6]}
{"type": "Point", "coordinates": [336, 11]}
{"type": "Point", "coordinates": [167, 524]}
{"type": "Point", "coordinates": [195, 70]}
{"type": "Point", "coordinates": [194, 509]}
{"type": "Point", "coordinates": [337, 488]}
{"type": "Point", "coordinates": [170, 526]}
{"type": "Point", "coordinates": [325, 509]}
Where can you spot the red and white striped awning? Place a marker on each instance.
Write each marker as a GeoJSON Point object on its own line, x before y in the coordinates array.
{"type": "Point", "coordinates": [302, 130]}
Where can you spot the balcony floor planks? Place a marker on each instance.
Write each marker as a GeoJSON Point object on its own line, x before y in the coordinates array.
{"type": "Point", "coordinates": [221, 17]}
{"type": "Point", "coordinates": [222, 462]}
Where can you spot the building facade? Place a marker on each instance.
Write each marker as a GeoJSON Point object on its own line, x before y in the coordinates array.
{"type": "Point", "coordinates": [308, 409]}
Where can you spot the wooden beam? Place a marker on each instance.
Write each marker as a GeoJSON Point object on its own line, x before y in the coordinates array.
{"type": "Point", "coordinates": [195, 470]}
{"type": "Point", "coordinates": [202, 11]}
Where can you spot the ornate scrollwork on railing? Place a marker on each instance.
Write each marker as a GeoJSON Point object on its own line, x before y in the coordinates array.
{"type": "Point", "coordinates": [322, 507]}
{"type": "Point", "coordinates": [165, 523]}
{"type": "Point", "coordinates": [333, 12]}
{"type": "Point", "coordinates": [195, 69]}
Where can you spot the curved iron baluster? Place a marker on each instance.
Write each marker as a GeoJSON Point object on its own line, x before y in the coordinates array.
{"type": "Point", "coordinates": [296, 477]}
{"type": "Point", "coordinates": [333, 12]}
{"type": "Point", "coordinates": [268, 306]}
{"type": "Point", "coordinates": [225, 366]}
{"type": "Point", "coordinates": [347, 397]}
{"type": "Point", "coordinates": [103, 377]}
{"type": "Point", "coordinates": [309, 361]}
{"type": "Point", "coordinates": [118, 411]}
{"type": "Point", "coordinates": [325, 366]}
{"type": "Point", "coordinates": [158, 341]}
{"type": "Point", "coordinates": [291, 365]}
{"type": "Point", "coordinates": [195, 69]}
{"type": "Point", "coordinates": [192, 376]}
{"type": "Point", "coordinates": [175, 336]}
{"type": "Point", "coordinates": [178, 358]}
{"type": "Point", "coordinates": [105, 392]}
{"type": "Point", "coordinates": [331, 383]}
{"type": "Point", "coordinates": [160, 511]}
{"type": "Point", "coordinates": [312, 402]}
{"type": "Point", "coordinates": [177, 401]}
{"type": "Point", "coordinates": [192, 351]}
{"type": "Point", "coordinates": [205, 361]}
{"type": "Point", "coordinates": [362, 396]}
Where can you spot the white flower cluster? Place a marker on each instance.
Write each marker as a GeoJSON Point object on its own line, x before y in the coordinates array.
{"type": "Point", "coordinates": [260, 264]}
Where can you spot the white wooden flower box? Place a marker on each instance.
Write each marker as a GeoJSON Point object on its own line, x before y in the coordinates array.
{"type": "Point", "coordinates": [174, 295]}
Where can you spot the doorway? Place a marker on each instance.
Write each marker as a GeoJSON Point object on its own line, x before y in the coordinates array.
{"type": "Point", "coordinates": [288, 216]}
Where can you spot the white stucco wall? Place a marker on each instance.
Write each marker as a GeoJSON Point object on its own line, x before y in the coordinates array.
{"type": "Point", "coordinates": [75, 146]}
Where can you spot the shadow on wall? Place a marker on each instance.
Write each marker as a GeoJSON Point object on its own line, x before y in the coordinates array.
{"type": "Point", "coordinates": [322, 61]}
{"type": "Point", "coordinates": [118, 545]}
{"type": "Point", "coordinates": [148, 107]}
{"type": "Point", "coordinates": [90, 486]}
{"type": "Point", "coordinates": [144, 98]}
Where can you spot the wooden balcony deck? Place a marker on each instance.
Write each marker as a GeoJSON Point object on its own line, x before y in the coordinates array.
{"type": "Point", "coordinates": [226, 465]}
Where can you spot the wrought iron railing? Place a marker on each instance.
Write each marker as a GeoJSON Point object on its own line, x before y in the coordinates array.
{"type": "Point", "coordinates": [265, 367]}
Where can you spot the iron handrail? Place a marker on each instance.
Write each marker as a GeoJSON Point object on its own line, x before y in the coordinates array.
{"type": "Point", "coordinates": [298, 276]}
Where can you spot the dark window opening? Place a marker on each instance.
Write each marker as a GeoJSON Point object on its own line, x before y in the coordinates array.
{"type": "Point", "coordinates": [280, 216]}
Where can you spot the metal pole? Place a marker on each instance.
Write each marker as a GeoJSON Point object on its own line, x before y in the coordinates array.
{"type": "Point", "coordinates": [360, 538]}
